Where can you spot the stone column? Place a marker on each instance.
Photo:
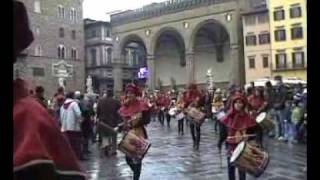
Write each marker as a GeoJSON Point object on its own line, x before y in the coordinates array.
{"type": "Point", "coordinates": [117, 76]}
{"type": "Point", "coordinates": [236, 72]}
{"type": "Point", "coordinates": [152, 75]}
{"type": "Point", "coordinates": [190, 66]}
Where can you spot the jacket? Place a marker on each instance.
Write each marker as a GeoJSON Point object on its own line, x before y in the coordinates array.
{"type": "Point", "coordinates": [70, 116]}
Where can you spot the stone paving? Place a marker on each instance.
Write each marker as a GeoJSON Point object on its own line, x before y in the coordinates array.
{"type": "Point", "coordinates": [171, 156]}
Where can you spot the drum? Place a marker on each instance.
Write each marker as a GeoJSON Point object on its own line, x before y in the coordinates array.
{"type": "Point", "coordinates": [213, 110]}
{"type": "Point", "coordinates": [133, 145]}
{"type": "Point", "coordinates": [221, 115]}
{"type": "Point", "coordinates": [180, 116]}
{"type": "Point", "coordinates": [135, 119]}
{"type": "Point", "coordinates": [196, 115]}
{"type": "Point", "coordinates": [173, 111]}
{"type": "Point", "coordinates": [250, 159]}
{"type": "Point", "coordinates": [265, 122]}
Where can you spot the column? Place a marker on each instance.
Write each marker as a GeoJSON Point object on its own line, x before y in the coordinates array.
{"type": "Point", "coordinates": [190, 66]}
{"type": "Point", "coordinates": [237, 71]}
{"type": "Point", "coordinates": [151, 74]}
{"type": "Point", "coordinates": [117, 76]}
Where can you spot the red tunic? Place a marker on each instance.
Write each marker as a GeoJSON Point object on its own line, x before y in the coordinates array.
{"type": "Point", "coordinates": [37, 138]}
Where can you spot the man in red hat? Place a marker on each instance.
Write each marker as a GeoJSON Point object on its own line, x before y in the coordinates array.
{"type": "Point", "coordinates": [193, 99]}
{"type": "Point", "coordinates": [129, 112]}
{"type": "Point", "coordinates": [40, 151]}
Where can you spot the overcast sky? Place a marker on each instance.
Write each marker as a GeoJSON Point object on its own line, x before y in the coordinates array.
{"type": "Point", "coordinates": [97, 9]}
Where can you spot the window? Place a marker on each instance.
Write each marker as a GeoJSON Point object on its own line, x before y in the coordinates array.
{"type": "Point", "coordinates": [295, 12]}
{"type": "Point", "coordinates": [61, 52]}
{"type": "Point", "coordinates": [36, 71]}
{"type": "Point", "coordinates": [280, 35]}
{"type": "Point", "coordinates": [278, 15]}
{"type": "Point", "coordinates": [73, 34]}
{"type": "Point", "coordinates": [37, 6]}
{"type": "Point", "coordinates": [252, 63]}
{"type": "Point", "coordinates": [263, 18]}
{"type": "Point", "coordinates": [108, 34]}
{"type": "Point", "coordinates": [93, 33]}
{"type": "Point", "coordinates": [298, 59]}
{"type": "Point", "coordinates": [109, 55]}
{"type": "Point", "coordinates": [38, 50]}
{"type": "Point", "coordinates": [60, 11]}
{"type": "Point", "coordinates": [134, 58]}
{"type": "Point", "coordinates": [74, 53]}
{"type": "Point", "coordinates": [264, 38]}
{"type": "Point", "coordinates": [251, 40]}
{"type": "Point", "coordinates": [265, 61]}
{"type": "Point", "coordinates": [281, 61]}
{"type": "Point", "coordinates": [93, 53]}
{"type": "Point", "coordinates": [61, 32]}
{"type": "Point", "coordinates": [73, 14]}
{"type": "Point", "coordinates": [250, 20]}
{"type": "Point", "coordinates": [296, 33]}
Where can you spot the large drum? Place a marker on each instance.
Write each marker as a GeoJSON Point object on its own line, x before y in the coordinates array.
{"type": "Point", "coordinates": [135, 119]}
{"type": "Point", "coordinates": [250, 159]}
{"type": "Point", "coordinates": [173, 111]}
{"type": "Point", "coordinates": [265, 122]}
{"type": "Point", "coordinates": [133, 145]}
{"type": "Point", "coordinates": [196, 115]}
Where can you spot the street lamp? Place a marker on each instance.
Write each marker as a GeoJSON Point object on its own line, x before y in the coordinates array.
{"type": "Point", "coordinates": [228, 17]}
{"type": "Point", "coordinates": [147, 32]}
{"type": "Point", "coordinates": [185, 25]}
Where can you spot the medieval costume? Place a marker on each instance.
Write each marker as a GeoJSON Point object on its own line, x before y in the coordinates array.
{"type": "Point", "coordinates": [256, 105]}
{"type": "Point", "coordinates": [129, 111]}
{"type": "Point", "coordinates": [194, 99]}
{"type": "Point", "coordinates": [236, 125]}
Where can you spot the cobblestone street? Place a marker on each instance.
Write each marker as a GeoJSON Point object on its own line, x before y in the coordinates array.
{"type": "Point", "coordinates": [171, 156]}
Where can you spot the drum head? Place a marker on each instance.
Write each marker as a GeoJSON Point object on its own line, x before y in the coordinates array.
{"type": "Point", "coordinates": [261, 117]}
{"type": "Point", "coordinates": [237, 152]}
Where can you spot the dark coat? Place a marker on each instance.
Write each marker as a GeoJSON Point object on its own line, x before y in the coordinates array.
{"type": "Point", "coordinates": [107, 111]}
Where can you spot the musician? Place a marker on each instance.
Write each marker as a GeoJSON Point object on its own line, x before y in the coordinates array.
{"type": "Point", "coordinates": [40, 151]}
{"type": "Point", "coordinates": [128, 110]}
{"type": "Point", "coordinates": [256, 105]}
{"type": "Point", "coordinates": [194, 99]}
{"type": "Point", "coordinates": [160, 103]}
{"type": "Point", "coordinates": [218, 106]}
{"type": "Point", "coordinates": [180, 117]}
{"type": "Point", "coordinates": [167, 106]}
{"type": "Point", "coordinates": [236, 125]}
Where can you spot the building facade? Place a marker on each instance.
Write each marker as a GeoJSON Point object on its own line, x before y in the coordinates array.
{"type": "Point", "coordinates": [288, 29]}
{"type": "Point", "coordinates": [56, 56]}
{"type": "Point", "coordinates": [99, 57]}
{"type": "Point", "coordinates": [257, 47]}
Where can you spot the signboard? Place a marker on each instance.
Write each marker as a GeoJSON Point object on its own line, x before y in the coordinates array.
{"type": "Point", "coordinates": [143, 73]}
{"type": "Point", "coordinates": [62, 69]}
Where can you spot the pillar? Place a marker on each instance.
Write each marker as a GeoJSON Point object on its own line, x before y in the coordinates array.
{"type": "Point", "coordinates": [117, 75]}
{"type": "Point", "coordinates": [190, 66]}
{"type": "Point", "coordinates": [151, 75]}
{"type": "Point", "coordinates": [237, 72]}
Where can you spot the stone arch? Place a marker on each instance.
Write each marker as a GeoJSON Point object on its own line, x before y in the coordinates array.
{"type": "Point", "coordinates": [132, 38]}
{"type": "Point", "coordinates": [180, 37]}
{"type": "Point", "coordinates": [202, 24]}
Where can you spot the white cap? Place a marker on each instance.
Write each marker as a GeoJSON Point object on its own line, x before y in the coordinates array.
{"type": "Point", "coordinates": [77, 93]}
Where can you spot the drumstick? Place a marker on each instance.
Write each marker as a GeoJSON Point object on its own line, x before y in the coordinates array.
{"type": "Point", "coordinates": [249, 135]}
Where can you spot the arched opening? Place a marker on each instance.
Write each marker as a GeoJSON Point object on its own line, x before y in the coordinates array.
{"type": "Point", "coordinates": [211, 47]}
{"type": "Point", "coordinates": [169, 54]}
{"type": "Point", "coordinates": [134, 56]}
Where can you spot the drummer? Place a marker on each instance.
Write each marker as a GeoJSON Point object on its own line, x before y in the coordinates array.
{"type": "Point", "coordinates": [131, 107]}
{"type": "Point", "coordinates": [256, 105]}
{"type": "Point", "coordinates": [193, 98]}
{"type": "Point", "coordinates": [237, 123]}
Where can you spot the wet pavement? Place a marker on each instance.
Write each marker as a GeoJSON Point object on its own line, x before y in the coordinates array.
{"type": "Point", "coordinates": [172, 156]}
